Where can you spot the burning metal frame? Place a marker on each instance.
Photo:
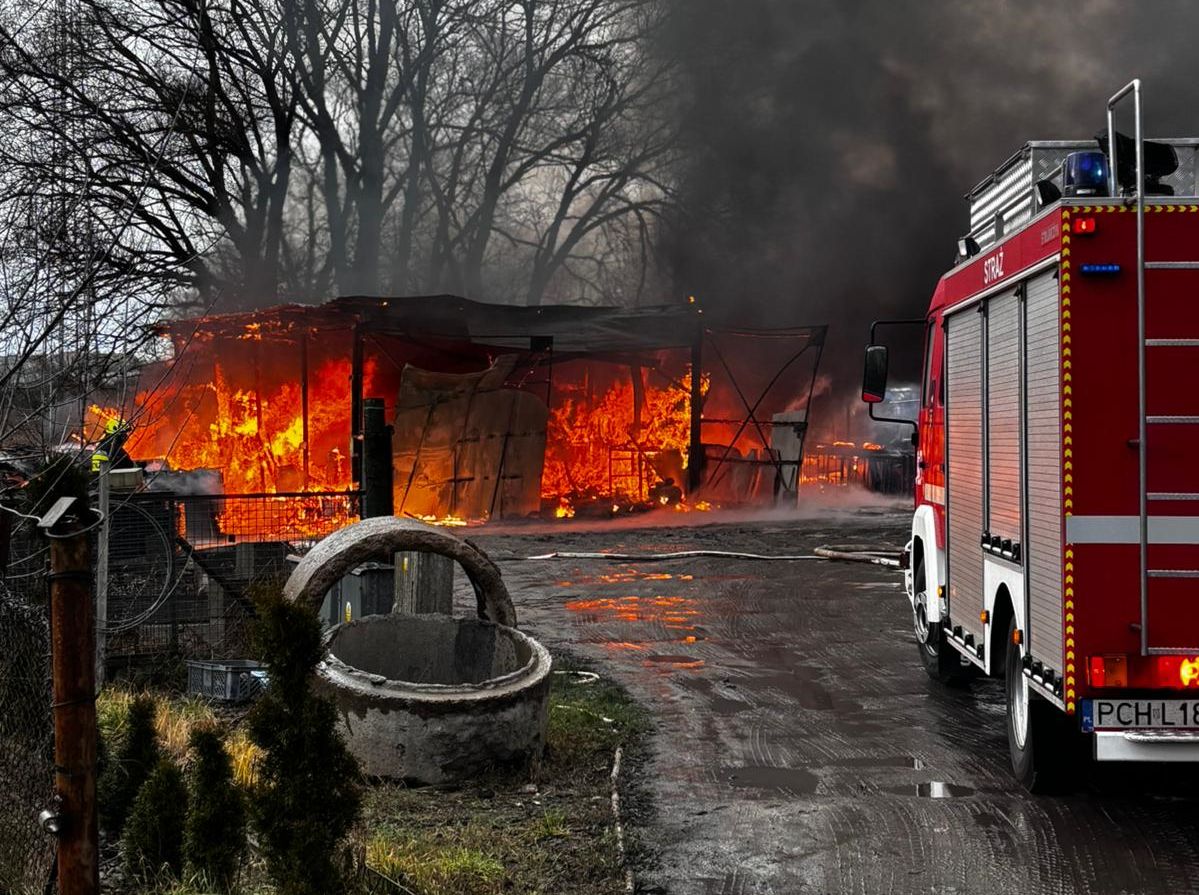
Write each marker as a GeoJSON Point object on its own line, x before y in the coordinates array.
{"type": "Point", "coordinates": [499, 411]}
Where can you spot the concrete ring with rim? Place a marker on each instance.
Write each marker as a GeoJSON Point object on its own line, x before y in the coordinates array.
{"type": "Point", "coordinates": [337, 555]}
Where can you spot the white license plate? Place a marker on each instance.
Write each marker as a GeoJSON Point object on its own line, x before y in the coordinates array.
{"type": "Point", "coordinates": [1140, 714]}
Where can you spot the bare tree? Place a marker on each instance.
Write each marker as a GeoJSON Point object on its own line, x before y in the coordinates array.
{"type": "Point", "coordinates": [247, 151]}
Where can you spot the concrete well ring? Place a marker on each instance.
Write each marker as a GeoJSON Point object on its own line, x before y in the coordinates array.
{"type": "Point", "coordinates": [336, 555]}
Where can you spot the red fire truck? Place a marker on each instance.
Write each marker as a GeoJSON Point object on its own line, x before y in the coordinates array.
{"type": "Point", "coordinates": [1055, 541]}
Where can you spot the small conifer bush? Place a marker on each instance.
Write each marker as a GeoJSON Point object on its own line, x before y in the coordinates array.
{"type": "Point", "coordinates": [153, 839]}
{"type": "Point", "coordinates": [127, 767]}
{"type": "Point", "coordinates": [214, 837]}
{"type": "Point", "coordinates": [308, 796]}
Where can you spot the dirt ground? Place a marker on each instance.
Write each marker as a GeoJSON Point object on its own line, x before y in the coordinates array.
{"type": "Point", "coordinates": [799, 747]}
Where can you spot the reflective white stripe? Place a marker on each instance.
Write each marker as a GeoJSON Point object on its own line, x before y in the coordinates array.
{"type": "Point", "coordinates": [1127, 529]}
{"type": "Point", "coordinates": [935, 494]}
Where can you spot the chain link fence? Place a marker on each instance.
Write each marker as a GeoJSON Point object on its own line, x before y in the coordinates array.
{"type": "Point", "coordinates": [26, 727]}
{"type": "Point", "coordinates": [181, 569]}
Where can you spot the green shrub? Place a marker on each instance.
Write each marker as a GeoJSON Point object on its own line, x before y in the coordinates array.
{"type": "Point", "coordinates": [127, 767]}
{"type": "Point", "coordinates": [153, 838]}
{"type": "Point", "coordinates": [214, 837]}
{"type": "Point", "coordinates": [308, 795]}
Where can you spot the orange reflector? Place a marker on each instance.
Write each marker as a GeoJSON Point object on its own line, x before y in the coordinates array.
{"type": "Point", "coordinates": [1017, 636]}
{"type": "Point", "coordinates": [984, 616]}
{"type": "Point", "coordinates": [1109, 670]}
{"type": "Point", "coordinates": [1083, 226]}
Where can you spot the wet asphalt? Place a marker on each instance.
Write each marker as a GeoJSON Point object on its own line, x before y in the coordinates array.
{"type": "Point", "coordinates": [799, 747]}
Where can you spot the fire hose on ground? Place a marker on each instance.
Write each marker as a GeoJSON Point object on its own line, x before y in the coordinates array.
{"type": "Point", "coordinates": [873, 557]}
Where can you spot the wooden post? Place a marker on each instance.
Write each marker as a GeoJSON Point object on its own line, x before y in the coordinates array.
{"type": "Point", "coordinates": [424, 583]}
{"type": "Point", "coordinates": [72, 644]}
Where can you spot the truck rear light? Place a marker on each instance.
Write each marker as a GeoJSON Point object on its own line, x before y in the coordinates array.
{"type": "Point", "coordinates": [1188, 672]}
{"type": "Point", "coordinates": [1082, 226]}
{"type": "Point", "coordinates": [1175, 671]}
{"type": "Point", "coordinates": [1107, 671]}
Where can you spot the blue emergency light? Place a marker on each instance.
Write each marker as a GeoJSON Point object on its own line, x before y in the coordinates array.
{"type": "Point", "coordinates": [1084, 174]}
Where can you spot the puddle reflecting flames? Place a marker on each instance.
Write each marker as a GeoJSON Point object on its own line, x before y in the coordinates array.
{"type": "Point", "coordinates": [677, 615]}
{"type": "Point", "coordinates": [623, 577]}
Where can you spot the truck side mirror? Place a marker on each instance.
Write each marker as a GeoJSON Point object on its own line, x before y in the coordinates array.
{"type": "Point", "coordinates": [874, 376]}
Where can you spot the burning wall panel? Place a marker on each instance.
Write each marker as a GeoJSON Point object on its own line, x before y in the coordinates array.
{"type": "Point", "coordinates": [466, 446]}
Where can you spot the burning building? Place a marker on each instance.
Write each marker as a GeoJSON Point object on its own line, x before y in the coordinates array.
{"type": "Point", "coordinates": [497, 411]}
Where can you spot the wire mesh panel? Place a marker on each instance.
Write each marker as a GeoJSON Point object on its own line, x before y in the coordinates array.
{"type": "Point", "coordinates": [181, 567]}
{"type": "Point", "coordinates": [26, 729]}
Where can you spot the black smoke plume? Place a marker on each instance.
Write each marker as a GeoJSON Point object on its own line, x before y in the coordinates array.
{"type": "Point", "coordinates": [829, 142]}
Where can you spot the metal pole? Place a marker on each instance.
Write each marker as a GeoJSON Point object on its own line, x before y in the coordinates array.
{"type": "Point", "coordinates": [695, 457]}
{"type": "Point", "coordinates": [264, 454]}
{"type": "Point", "coordinates": [377, 471]}
{"type": "Point", "coordinates": [1134, 87]}
{"type": "Point", "coordinates": [1142, 454]}
{"type": "Point", "coordinates": [102, 570]}
{"type": "Point", "coordinates": [304, 402]}
{"type": "Point", "coordinates": [356, 361]}
{"type": "Point", "coordinates": [72, 639]}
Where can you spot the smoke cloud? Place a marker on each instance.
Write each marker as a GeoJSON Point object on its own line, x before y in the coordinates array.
{"type": "Point", "coordinates": [829, 143]}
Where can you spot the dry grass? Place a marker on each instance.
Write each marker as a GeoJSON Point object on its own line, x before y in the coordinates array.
{"type": "Point", "coordinates": [430, 868]}
{"type": "Point", "coordinates": [174, 719]}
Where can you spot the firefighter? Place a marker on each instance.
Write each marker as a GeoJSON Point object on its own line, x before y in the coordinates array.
{"type": "Point", "coordinates": [111, 448]}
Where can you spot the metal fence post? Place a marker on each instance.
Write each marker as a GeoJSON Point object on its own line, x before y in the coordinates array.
{"type": "Point", "coordinates": [377, 462]}
{"type": "Point", "coordinates": [72, 645]}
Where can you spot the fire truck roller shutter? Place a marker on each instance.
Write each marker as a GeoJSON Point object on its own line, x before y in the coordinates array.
{"type": "Point", "coordinates": [1003, 415]}
{"type": "Point", "coordinates": [1043, 551]}
{"type": "Point", "coordinates": [964, 449]}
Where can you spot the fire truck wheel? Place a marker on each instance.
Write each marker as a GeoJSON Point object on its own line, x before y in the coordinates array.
{"type": "Point", "coordinates": [1039, 736]}
{"type": "Point", "coordinates": [941, 661]}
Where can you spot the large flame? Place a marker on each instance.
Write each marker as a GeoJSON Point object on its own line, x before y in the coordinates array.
{"type": "Point", "coordinates": [255, 438]}
{"type": "Point", "coordinates": [597, 447]}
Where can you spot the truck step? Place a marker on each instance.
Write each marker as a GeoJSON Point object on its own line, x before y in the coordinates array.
{"type": "Point", "coordinates": [1172, 265]}
{"type": "Point", "coordinates": [1174, 573]}
{"type": "Point", "coordinates": [1162, 736]}
{"type": "Point", "coordinates": [1173, 420]}
{"type": "Point", "coordinates": [1173, 495]}
{"type": "Point", "coordinates": [1172, 343]}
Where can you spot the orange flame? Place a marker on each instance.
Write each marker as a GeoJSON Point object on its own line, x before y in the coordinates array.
{"type": "Point", "coordinates": [595, 445]}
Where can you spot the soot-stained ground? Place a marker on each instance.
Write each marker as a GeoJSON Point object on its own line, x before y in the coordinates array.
{"type": "Point", "coordinates": [799, 746]}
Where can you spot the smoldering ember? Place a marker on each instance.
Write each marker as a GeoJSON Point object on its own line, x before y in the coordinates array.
{"type": "Point", "coordinates": [598, 446]}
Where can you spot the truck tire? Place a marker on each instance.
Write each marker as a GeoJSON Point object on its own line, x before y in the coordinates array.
{"type": "Point", "coordinates": [940, 660]}
{"type": "Point", "coordinates": [1040, 737]}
